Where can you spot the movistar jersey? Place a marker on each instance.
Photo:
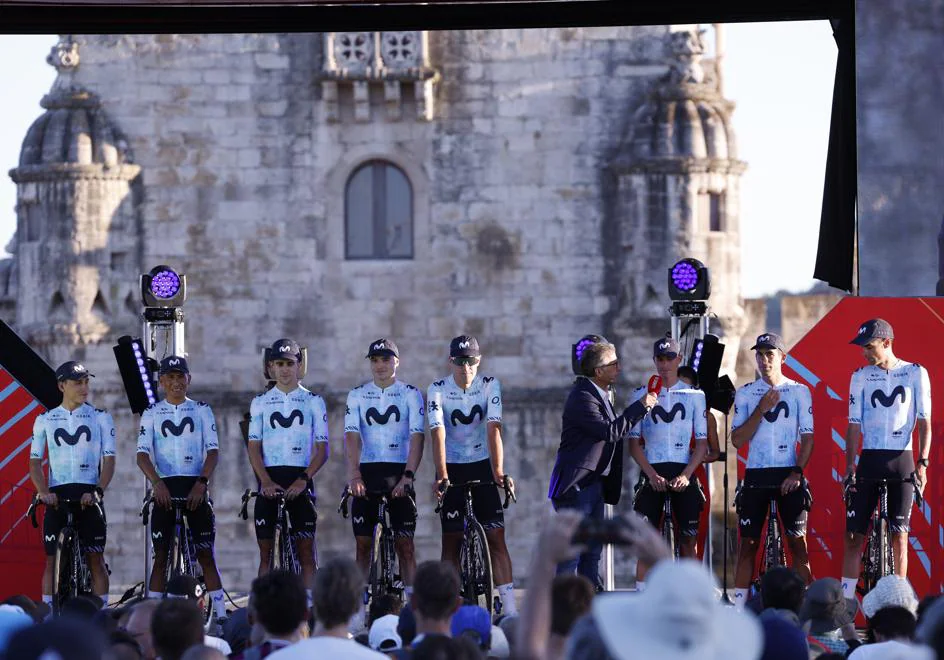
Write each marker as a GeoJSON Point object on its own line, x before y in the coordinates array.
{"type": "Point", "coordinates": [677, 417]}
{"type": "Point", "coordinates": [288, 425]}
{"type": "Point", "coordinates": [465, 414]}
{"type": "Point", "coordinates": [177, 438]}
{"type": "Point", "coordinates": [385, 419]}
{"type": "Point", "coordinates": [77, 442]}
{"type": "Point", "coordinates": [887, 403]}
{"type": "Point", "coordinates": [774, 442]}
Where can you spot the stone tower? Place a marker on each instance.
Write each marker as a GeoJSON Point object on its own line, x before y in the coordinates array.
{"type": "Point", "coordinates": [677, 192]}
{"type": "Point", "coordinates": [525, 186]}
{"type": "Point", "coordinates": [77, 249]}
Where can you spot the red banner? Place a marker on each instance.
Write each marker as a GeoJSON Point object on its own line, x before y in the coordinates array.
{"type": "Point", "coordinates": [824, 360]}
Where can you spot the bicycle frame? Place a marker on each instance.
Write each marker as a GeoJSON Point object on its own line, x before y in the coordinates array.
{"type": "Point", "coordinates": [774, 551]}
{"type": "Point", "coordinates": [71, 575]}
{"type": "Point", "coordinates": [382, 576]}
{"type": "Point", "coordinates": [475, 562]}
{"type": "Point", "coordinates": [879, 556]}
{"type": "Point", "coordinates": [284, 553]}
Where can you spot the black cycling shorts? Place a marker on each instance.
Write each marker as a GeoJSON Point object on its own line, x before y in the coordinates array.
{"type": "Point", "coordinates": [301, 510]}
{"type": "Point", "coordinates": [486, 502]}
{"type": "Point", "coordinates": [894, 465]}
{"type": "Point", "coordinates": [90, 524]}
{"type": "Point", "coordinates": [753, 504]}
{"type": "Point", "coordinates": [686, 505]}
{"type": "Point", "coordinates": [382, 476]}
{"type": "Point", "coordinates": [202, 522]}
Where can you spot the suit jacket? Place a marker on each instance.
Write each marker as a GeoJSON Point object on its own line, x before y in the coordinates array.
{"type": "Point", "coordinates": [590, 435]}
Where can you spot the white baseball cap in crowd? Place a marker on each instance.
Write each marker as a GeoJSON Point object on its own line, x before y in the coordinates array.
{"type": "Point", "coordinates": [383, 635]}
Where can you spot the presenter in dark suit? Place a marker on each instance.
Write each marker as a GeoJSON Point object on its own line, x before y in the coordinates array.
{"type": "Point", "coordinates": [588, 472]}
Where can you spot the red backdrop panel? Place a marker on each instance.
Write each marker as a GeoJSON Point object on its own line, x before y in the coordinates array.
{"type": "Point", "coordinates": [824, 360]}
{"type": "Point", "coordinates": [21, 552]}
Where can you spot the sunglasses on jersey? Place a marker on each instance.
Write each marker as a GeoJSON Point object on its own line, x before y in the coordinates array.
{"type": "Point", "coordinates": [464, 361]}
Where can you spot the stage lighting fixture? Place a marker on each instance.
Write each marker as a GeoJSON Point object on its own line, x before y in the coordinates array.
{"type": "Point", "coordinates": [689, 280]}
{"type": "Point", "coordinates": [163, 287]}
{"type": "Point", "coordinates": [136, 370]}
{"type": "Point", "coordinates": [577, 350]}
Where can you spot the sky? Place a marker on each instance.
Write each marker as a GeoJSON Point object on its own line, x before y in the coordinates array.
{"type": "Point", "coordinates": [780, 75]}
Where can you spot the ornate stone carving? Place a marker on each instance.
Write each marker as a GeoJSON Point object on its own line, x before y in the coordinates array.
{"type": "Point", "coordinates": [391, 59]}
{"type": "Point", "coordinates": [401, 50]}
{"type": "Point", "coordinates": [64, 56]}
{"type": "Point", "coordinates": [686, 49]}
{"type": "Point", "coordinates": [353, 51]}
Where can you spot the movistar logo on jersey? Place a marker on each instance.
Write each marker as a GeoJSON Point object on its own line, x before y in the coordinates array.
{"type": "Point", "coordinates": [260, 522]}
{"type": "Point", "coordinates": [156, 535]}
{"type": "Point", "coordinates": [373, 415]}
{"type": "Point", "coordinates": [359, 520]}
{"type": "Point", "coordinates": [452, 515]}
{"type": "Point", "coordinates": [50, 537]}
{"type": "Point", "coordinates": [177, 430]}
{"type": "Point", "coordinates": [668, 417]}
{"type": "Point", "coordinates": [72, 439]}
{"type": "Point", "coordinates": [745, 521]}
{"type": "Point", "coordinates": [773, 415]}
{"type": "Point", "coordinates": [287, 422]}
{"type": "Point", "coordinates": [459, 416]}
{"type": "Point", "coordinates": [887, 401]}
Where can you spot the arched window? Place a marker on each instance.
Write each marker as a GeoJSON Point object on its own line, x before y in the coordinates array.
{"type": "Point", "coordinates": [378, 213]}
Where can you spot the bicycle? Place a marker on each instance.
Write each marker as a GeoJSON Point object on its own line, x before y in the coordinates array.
{"type": "Point", "coordinates": [475, 562]}
{"type": "Point", "coordinates": [774, 550]}
{"type": "Point", "coordinates": [668, 524]}
{"type": "Point", "coordinates": [71, 574]}
{"type": "Point", "coordinates": [284, 551]}
{"type": "Point", "coordinates": [181, 553]}
{"type": "Point", "coordinates": [878, 558]}
{"type": "Point", "coordinates": [382, 577]}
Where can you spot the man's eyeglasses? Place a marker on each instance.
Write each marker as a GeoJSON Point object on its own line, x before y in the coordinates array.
{"type": "Point", "coordinates": [614, 363]}
{"type": "Point", "coordinates": [465, 361]}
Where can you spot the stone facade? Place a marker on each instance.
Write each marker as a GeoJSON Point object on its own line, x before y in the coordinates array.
{"type": "Point", "coordinates": [900, 129]}
{"type": "Point", "coordinates": [553, 177]}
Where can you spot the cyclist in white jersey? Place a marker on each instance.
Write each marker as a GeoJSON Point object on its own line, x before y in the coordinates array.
{"type": "Point", "coordinates": [888, 400]}
{"type": "Point", "coordinates": [383, 441]}
{"type": "Point", "coordinates": [288, 444]}
{"type": "Point", "coordinates": [772, 416]}
{"type": "Point", "coordinates": [81, 444]}
{"type": "Point", "coordinates": [178, 450]}
{"type": "Point", "coordinates": [668, 461]}
{"type": "Point", "coordinates": [465, 425]}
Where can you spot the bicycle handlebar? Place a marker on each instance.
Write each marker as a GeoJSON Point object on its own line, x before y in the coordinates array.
{"type": "Point", "coordinates": [508, 486]}
{"type": "Point", "coordinates": [849, 484]}
{"type": "Point", "coordinates": [346, 495]}
{"type": "Point", "coordinates": [31, 511]}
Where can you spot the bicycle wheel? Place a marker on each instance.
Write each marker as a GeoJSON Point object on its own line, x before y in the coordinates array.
{"type": "Point", "coordinates": [277, 558]}
{"type": "Point", "coordinates": [668, 532]}
{"type": "Point", "coordinates": [64, 578]}
{"type": "Point", "coordinates": [476, 567]}
{"type": "Point", "coordinates": [375, 576]}
{"type": "Point", "coordinates": [775, 555]}
{"type": "Point", "coordinates": [173, 567]}
{"type": "Point", "coordinates": [886, 560]}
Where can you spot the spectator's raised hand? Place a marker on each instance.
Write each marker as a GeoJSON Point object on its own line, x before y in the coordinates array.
{"type": "Point", "coordinates": [642, 540]}
{"type": "Point", "coordinates": [555, 544]}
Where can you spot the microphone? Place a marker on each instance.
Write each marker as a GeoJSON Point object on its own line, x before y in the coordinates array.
{"type": "Point", "coordinates": [655, 385]}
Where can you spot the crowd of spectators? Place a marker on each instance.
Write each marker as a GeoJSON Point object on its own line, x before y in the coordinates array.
{"type": "Point", "coordinates": [678, 615]}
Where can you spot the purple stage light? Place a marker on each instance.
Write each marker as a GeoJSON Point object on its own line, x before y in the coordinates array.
{"type": "Point", "coordinates": [684, 276]}
{"type": "Point", "coordinates": [165, 284]}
